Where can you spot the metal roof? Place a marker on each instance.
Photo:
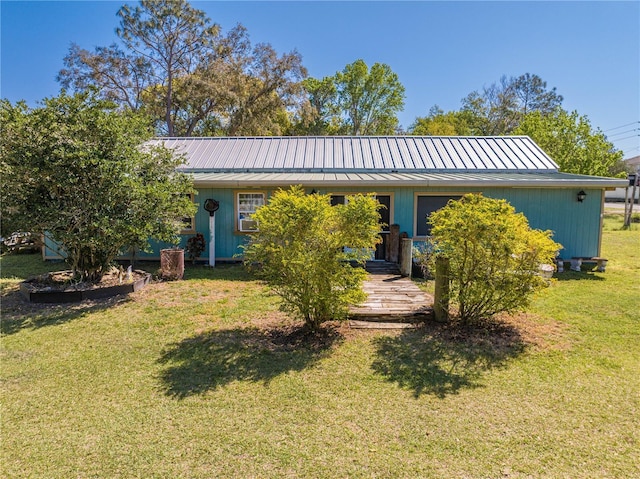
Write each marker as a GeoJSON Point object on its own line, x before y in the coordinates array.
{"type": "Point", "coordinates": [416, 179]}
{"type": "Point", "coordinates": [389, 154]}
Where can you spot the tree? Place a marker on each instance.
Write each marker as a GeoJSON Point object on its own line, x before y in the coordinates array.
{"type": "Point", "coordinates": [175, 64]}
{"type": "Point", "coordinates": [570, 140]}
{"type": "Point", "coordinates": [500, 107]}
{"type": "Point", "coordinates": [370, 99]}
{"type": "Point", "coordinates": [77, 171]}
{"type": "Point", "coordinates": [439, 123]}
{"type": "Point", "coordinates": [354, 101]}
{"type": "Point", "coordinates": [303, 250]}
{"type": "Point", "coordinates": [265, 87]}
{"type": "Point", "coordinates": [494, 255]}
{"type": "Point", "coordinates": [320, 115]}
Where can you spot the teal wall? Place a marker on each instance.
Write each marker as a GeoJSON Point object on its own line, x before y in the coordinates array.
{"type": "Point", "coordinates": [577, 226]}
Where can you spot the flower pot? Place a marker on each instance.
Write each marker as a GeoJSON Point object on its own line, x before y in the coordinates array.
{"type": "Point", "coordinates": [546, 271]}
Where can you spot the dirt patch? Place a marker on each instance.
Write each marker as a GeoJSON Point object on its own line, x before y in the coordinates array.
{"type": "Point", "coordinates": [539, 333]}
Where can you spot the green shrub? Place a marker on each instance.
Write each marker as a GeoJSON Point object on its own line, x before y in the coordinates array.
{"type": "Point", "coordinates": [304, 247]}
{"type": "Point", "coordinates": [195, 246]}
{"type": "Point", "coordinates": [494, 255]}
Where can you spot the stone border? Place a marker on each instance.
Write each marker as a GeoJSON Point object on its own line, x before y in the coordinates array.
{"type": "Point", "coordinates": [51, 295]}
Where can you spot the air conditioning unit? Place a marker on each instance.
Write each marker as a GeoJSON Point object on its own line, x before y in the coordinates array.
{"type": "Point", "coordinates": [248, 225]}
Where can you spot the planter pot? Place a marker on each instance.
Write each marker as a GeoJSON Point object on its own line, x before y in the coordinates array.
{"type": "Point", "coordinates": [172, 263]}
{"type": "Point", "coordinates": [546, 271]}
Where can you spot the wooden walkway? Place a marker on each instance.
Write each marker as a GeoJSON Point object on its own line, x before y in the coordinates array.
{"type": "Point", "coordinates": [393, 300]}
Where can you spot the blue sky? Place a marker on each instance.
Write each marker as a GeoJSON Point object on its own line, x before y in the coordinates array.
{"type": "Point", "coordinates": [589, 51]}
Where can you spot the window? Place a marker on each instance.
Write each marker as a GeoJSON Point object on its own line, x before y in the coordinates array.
{"type": "Point", "coordinates": [248, 203]}
{"type": "Point", "coordinates": [425, 205]}
{"type": "Point", "coordinates": [188, 222]}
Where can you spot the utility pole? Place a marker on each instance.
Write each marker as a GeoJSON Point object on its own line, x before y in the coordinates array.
{"type": "Point", "coordinates": [634, 179]}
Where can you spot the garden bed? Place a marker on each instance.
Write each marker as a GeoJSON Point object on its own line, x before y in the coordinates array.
{"type": "Point", "coordinates": [58, 287]}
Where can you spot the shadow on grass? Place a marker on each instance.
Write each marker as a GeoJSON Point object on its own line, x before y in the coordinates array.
{"type": "Point", "coordinates": [578, 276]}
{"type": "Point", "coordinates": [210, 360]}
{"type": "Point", "coordinates": [442, 359]}
{"type": "Point", "coordinates": [19, 314]}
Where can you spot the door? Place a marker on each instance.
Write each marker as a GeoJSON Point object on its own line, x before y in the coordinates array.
{"type": "Point", "coordinates": [380, 253]}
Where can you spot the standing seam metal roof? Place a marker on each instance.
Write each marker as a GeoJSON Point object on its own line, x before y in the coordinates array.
{"type": "Point", "coordinates": [361, 153]}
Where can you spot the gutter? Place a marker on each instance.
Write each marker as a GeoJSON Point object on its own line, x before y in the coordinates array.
{"type": "Point", "coordinates": [314, 181]}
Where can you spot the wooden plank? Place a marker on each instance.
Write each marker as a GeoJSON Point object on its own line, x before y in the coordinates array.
{"type": "Point", "coordinates": [391, 297]}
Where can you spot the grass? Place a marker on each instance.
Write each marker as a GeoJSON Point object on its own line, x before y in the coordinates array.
{"type": "Point", "coordinates": [205, 378]}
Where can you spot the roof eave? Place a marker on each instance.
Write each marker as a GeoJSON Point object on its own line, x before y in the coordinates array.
{"type": "Point", "coordinates": [582, 182]}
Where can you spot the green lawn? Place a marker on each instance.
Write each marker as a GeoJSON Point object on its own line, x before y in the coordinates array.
{"type": "Point", "coordinates": [205, 378]}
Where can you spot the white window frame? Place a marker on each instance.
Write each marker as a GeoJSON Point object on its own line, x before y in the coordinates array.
{"type": "Point", "coordinates": [243, 213]}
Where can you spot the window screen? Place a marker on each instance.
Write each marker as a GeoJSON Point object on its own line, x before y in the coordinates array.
{"type": "Point", "coordinates": [427, 205]}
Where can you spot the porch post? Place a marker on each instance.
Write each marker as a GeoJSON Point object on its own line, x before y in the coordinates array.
{"type": "Point", "coordinates": [212, 240]}
{"type": "Point", "coordinates": [407, 257]}
{"type": "Point", "coordinates": [441, 293]}
{"type": "Point", "coordinates": [394, 243]}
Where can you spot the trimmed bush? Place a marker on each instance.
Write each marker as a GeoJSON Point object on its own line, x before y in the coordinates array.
{"type": "Point", "coordinates": [304, 249]}
{"type": "Point", "coordinates": [494, 255]}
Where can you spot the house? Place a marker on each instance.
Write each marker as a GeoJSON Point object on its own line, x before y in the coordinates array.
{"type": "Point", "coordinates": [411, 175]}
{"type": "Point", "coordinates": [626, 193]}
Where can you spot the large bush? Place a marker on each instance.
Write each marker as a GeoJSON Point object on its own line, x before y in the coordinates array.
{"type": "Point", "coordinates": [304, 249]}
{"type": "Point", "coordinates": [75, 170]}
{"type": "Point", "coordinates": [494, 255]}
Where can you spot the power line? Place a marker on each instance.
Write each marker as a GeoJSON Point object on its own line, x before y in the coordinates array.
{"type": "Point", "coordinates": [623, 132]}
{"type": "Point", "coordinates": [622, 126]}
{"type": "Point", "coordinates": [626, 137]}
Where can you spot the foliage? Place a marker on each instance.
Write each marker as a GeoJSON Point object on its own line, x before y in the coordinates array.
{"type": "Point", "coordinates": [494, 255]}
{"type": "Point", "coordinates": [76, 171]}
{"type": "Point", "coordinates": [570, 140]}
{"type": "Point", "coordinates": [304, 247]}
{"type": "Point", "coordinates": [370, 98]}
{"type": "Point", "coordinates": [439, 123]}
{"type": "Point", "coordinates": [499, 108]}
{"type": "Point", "coordinates": [525, 106]}
{"type": "Point", "coordinates": [354, 101]}
{"type": "Point", "coordinates": [195, 246]}
{"type": "Point", "coordinates": [178, 67]}
{"type": "Point", "coordinates": [320, 114]}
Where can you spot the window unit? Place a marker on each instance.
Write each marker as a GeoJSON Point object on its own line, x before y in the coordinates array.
{"type": "Point", "coordinates": [247, 203]}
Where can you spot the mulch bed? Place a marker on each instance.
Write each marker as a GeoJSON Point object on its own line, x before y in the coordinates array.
{"type": "Point", "coordinates": [60, 286]}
